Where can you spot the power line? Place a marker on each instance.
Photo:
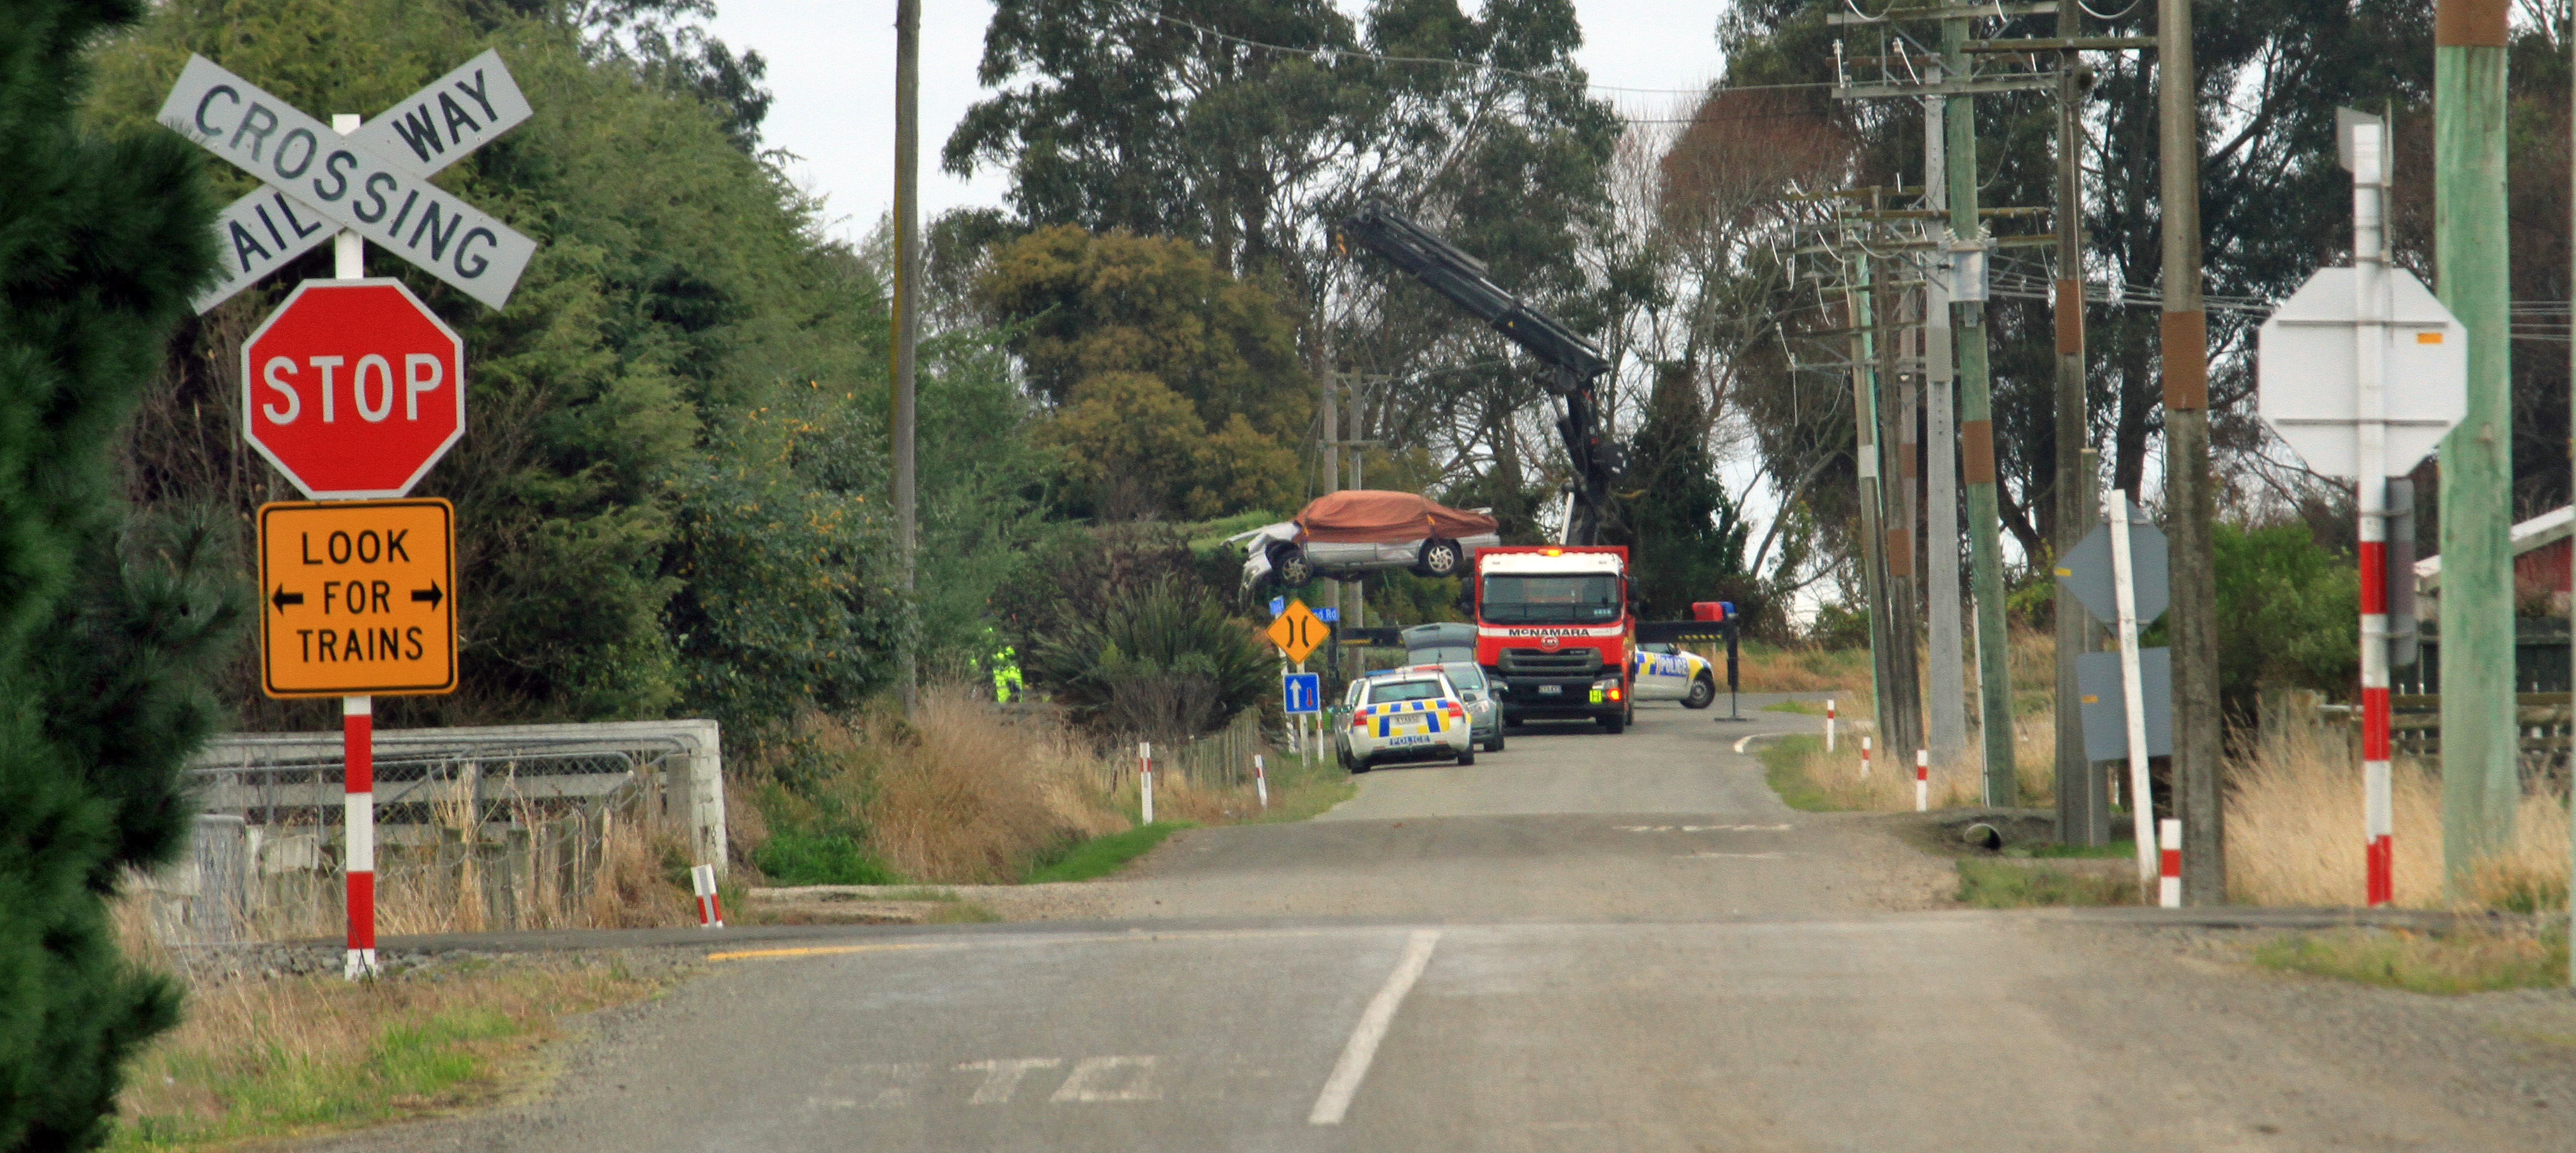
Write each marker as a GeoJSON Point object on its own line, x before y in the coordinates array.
{"type": "Point", "coordinates": [1326, 54]}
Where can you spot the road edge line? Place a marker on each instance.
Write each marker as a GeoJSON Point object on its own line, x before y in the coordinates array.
{"type": "Point", "coordinates": [1344, 1083]}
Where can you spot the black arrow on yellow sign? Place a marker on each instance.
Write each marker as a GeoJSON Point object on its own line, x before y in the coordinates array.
{"type": "Point", "coordinates": [285, 598]}
{"type": "Point", "coordinates": [430, 595]}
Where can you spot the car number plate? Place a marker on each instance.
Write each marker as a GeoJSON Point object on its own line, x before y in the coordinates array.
{"type": "Point", "coordinates": [1551, 690]}
{"type": "Point", "coordinates": [1414, 740]}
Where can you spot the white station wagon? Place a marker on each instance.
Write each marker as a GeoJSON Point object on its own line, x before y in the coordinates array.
{"type": "Point", "coordinates": [1411, 716]}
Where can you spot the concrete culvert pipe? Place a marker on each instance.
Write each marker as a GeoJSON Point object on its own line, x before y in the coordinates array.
{"type": "Point", "coordinates": [1983, 836]}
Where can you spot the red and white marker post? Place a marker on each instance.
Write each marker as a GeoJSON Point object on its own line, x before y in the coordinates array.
{"type": "Point", "coordinates": [702, 878]}
{"type": "Point", "coordinates": [1864, 758]}
{"type": "Point", "coordinates": [1145, 777]}
{"type": "Point", "coordinates": [1922, 780]}
{"type": "Point", "coordinates": [1260, 783]}
{"type": "Point", "coordinates": [1829, 724]}
{"type": "Point", "coordinates": [2370, 346]}
{"type": "Point", "coordinates": [2169, 863]}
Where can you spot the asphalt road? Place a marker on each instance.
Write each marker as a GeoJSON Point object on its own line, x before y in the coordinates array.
{"type": "Point", "coordinates": [1586, 942]}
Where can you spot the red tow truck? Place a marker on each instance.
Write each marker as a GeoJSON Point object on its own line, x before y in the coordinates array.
{"type": "Point", "coordinates": [1555, 631]}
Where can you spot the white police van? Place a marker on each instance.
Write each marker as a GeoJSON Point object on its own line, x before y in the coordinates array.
{"type": "Point", "coordinates": [1667, 672]}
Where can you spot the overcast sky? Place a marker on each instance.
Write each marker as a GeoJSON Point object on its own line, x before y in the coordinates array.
{"type": "Point", "coordinates": [831, 67]}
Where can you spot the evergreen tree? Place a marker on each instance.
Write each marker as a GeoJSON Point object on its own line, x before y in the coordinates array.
{"type": "Point", "coordinates": [1685, 532]}
{"type": "Point", "coordinates": [107, 630]}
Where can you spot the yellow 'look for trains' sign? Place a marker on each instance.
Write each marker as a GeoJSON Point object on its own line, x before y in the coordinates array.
{"type": "Point", "coordinates": [357, 598]}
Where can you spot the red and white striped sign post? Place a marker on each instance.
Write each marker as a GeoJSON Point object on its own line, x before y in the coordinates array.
{"type": "Point", "coordinates": [1260, 783]}
{"type": "Point", "coordinates": [358, 801]}
{"type": "Point", "coordinates": [2370, 444]}
{"type": "Point", "coordinates": [1829, 724]}
{"type": "Point", "coordinates": [2325, 359]}
{"type": "Point", "coordinates": [1864, 758]}
{"type": "Point", "coordinates": [1922, 780]}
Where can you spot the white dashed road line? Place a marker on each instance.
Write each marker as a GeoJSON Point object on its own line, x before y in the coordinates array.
{"type": "Point", "coordinates": [1344, 1083]}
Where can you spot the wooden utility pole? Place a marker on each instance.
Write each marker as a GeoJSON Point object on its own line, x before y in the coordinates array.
{"type": "Point", "coordinates": [1977, 435]}
{"type": "Point", "coordinates": [1904, 731]}
{"type": "Point", "coordinates": [1864, 384]}
{"type": "Point", "coordinates": [2480, 782]}
{"type": "Point", "coordinates": [2190, 504]}
{"type": "Point", "coordinates": [2083, 812]}
{"type": "Point", "coordinates": [1946, 708]}
{"type": "Point", "coordinates": [907, 324]}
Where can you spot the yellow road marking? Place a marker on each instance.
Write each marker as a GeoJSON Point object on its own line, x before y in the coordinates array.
{"type": "Point", "coordinates": [819, 951]}
{"type": "Point", "coordinates": [1066, 939]}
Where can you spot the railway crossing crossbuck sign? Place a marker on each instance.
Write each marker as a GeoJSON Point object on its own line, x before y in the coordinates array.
{"type": "Point", "coordinates": [374, 181]}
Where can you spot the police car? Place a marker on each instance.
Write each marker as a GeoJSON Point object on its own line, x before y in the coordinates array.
{"type": "Point", "coordinates": [1664, 672]}
{"type": "Point", "coordinates": [1411, 715]}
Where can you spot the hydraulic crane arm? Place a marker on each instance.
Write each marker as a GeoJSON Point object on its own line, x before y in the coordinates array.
{"type": "Point", "coordinates": [1574, 362]}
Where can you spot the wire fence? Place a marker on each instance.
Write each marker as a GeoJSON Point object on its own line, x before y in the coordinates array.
{"type": "Point", "coordinates": [475, 832]}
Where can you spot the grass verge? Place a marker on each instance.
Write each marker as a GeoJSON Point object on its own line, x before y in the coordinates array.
{"type": "Point", "coordinates": [266, 1059]}
{"type": "Point", "coordinates": [2450, 964]}
{"type": "Point", "coordinates": [1994, 885]}
{"type": "Point", "coordinates": [1803, 708]}
{"type": "Point", "coordinates": [1785, 764]}
{"type": "Point", "coordinates": [1103, 855]}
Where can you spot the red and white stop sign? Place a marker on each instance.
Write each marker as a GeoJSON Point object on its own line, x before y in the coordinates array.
{"type": "Point", "coordinates": [353, 388]}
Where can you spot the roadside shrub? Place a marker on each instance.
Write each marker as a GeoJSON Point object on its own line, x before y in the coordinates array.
{"type": "Point", "coordinates": [2290, 609]}
{"type": "Point", "coordinates": [1161, 662]}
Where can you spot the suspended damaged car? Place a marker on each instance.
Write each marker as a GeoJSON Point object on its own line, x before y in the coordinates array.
{"type": "Point", "coordinates": [1345, 534]}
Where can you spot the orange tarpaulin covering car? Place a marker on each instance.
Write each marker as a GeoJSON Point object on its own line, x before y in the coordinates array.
{"type": "Point", "coordinates": [1369, 515]}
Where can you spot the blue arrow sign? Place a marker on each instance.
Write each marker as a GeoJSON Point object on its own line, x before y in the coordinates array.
{"type": "Point", "coordinates": [1302, 692]}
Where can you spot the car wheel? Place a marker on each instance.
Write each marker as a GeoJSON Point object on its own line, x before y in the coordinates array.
{"type": "Point", "coordinates": [1613, 723]}
{"type": "Point", "coordinates": [1440, 558]}
{"type": "Point", "coordinates": [1288, 565]}
{"type": "Point", "coordinates": [1468, 757]}
{"type": "Point", "coordinates": [1703, 693]}
{"type": "Point", "coordinates": [1495, 745]}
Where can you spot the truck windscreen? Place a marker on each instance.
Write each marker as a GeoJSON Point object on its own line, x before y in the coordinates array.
{"type": "Point", "coordinates": [1591, 598]}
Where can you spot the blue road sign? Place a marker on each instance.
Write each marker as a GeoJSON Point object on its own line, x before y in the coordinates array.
{"type": "Point", "coordinates": [1303, 692]}
{"type": "Point", "coordinates": [1328, 614]}
{"type": "Point", "coordinates": [1278, 605]}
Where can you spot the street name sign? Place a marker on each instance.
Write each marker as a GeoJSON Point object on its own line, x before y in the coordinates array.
{"type": "Point", "coordinates": [374, 181]}
{"type": "Point", "coordinates": [357, 598]}
{"type": "Point", "coordinates": [1302, 693]}
{"type": "Point", "coordinates": [353, 388]}
{"type": "Point", "coordinates": [2085, 571]}
{"type": "Point", "coordinates": [2307, 371]}
{"type": "Point", "coordinates": [1298, 632]}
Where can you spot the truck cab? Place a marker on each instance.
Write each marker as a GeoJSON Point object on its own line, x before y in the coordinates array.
{"type": "Point", "coordinates": [1554, 632]}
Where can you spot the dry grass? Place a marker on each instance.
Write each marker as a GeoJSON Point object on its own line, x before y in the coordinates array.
{"type": "Point", "coordinates": [2294, 831]}
{"type": "Point", "coordinates": [1798, 669]}
{"type": "Point", "coordinates": [272, 1058]}
{"type": "Point", "coordinates": [966, 795]}
{"type": "Point", "coordinates": [1833, 781]}
{"type": "Point", "coordinates": [971, 794]}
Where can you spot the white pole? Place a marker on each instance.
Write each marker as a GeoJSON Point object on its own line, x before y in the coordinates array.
{"type": "Point", "coordinates": [357, 714]}
{"type": "Point", "coordinates": [1922, 780]}
{"type": "Point", "coordinates": [1145, 777]}
{"type": "Point", "coordinates": [1260, 783]}
{"type": "Point", "coordinates": [2133, 693]}
{"type": "Point", "coordinates": [1864, 758]}
{"type": "Point", "coordinates": [1829, 724]}
{"type": "Point", "coordinates": [2371, 309]}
